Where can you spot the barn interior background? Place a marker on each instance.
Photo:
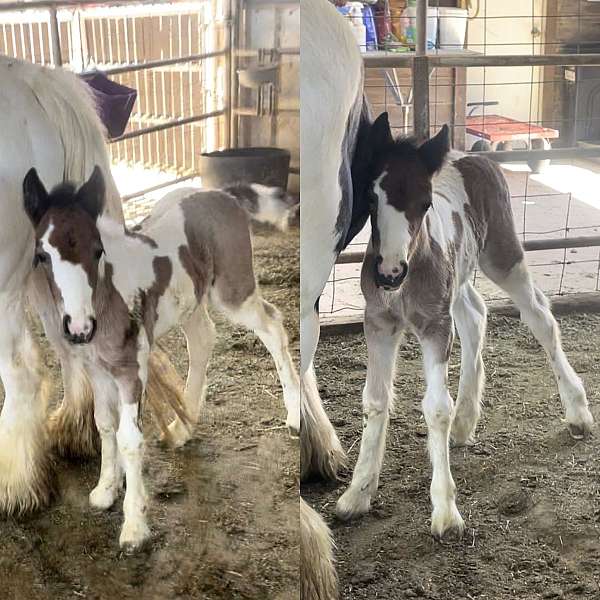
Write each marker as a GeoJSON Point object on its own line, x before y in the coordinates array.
{"type": "Point", "coordinates": [518, 79]}
{"type": "Point", "coordinates": [207, 77]}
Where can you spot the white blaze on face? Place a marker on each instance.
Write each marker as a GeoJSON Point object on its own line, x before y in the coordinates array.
{"type": "Point", "coordinates": [75, 290]}
{"type": "Point", "coordinates": [394, 236]}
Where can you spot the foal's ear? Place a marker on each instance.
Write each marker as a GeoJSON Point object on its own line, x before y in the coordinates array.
{"type": "Point", "coordinates": [91, 194]}
{"type": "Point", "coordinates": [381, 134]}
{"type": "Point", "coordinates": [35, 197]}
{"type": "Point", "coordinates": [433, 151]}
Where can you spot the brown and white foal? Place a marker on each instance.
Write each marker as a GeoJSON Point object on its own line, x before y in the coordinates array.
{"type": "Point", "coordinates": [434, 218]}
{"type": "Point", "coordinates": [116, 291]}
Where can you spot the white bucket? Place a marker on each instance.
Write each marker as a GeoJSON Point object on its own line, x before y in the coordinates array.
{"type": "Point", "coordinates": [453, 27]}
{"type": "Point", "coordinates": [408, 26]}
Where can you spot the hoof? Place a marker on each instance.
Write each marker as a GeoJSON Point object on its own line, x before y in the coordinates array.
{"type": "Point", "coordinates": [352, 504]}
{"type": "Point", "coordinates": [27, 472]}
{"type": "Point", "coordinates": [579, 432]}
{"type": "Point", "coordinates": [102, 497]}
{"type": "Point", "coordinates": [580, 425]}
{"type": "Point", "coordinates": [462, 443]}
{"type": "Point", "coordinates": [134, 536]}
{"type": "Point", "coordinates": [462, 434]}
{"type": "Point", "coordinates": [178, 435]}
{"type": "Point", "coordinates": [447, 523]}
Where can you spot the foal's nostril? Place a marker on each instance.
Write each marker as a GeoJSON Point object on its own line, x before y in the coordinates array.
{"type": "Point", "coordinates": [66, 323]}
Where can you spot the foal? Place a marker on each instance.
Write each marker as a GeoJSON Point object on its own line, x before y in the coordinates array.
{"type": "Point", "coordinates": [116, 291]}
{"type": "Point", "coordinates": [433, 222]}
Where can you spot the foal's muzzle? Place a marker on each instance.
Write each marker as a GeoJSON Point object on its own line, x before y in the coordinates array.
{"type": "Point", "coordinates": [79, 338]}
{"type": "Point", "coordinates": [392, 281]}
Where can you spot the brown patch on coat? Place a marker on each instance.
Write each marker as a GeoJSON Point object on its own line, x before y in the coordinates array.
{"type": "Point", "coordinates": [136, 233]}
{"type": "Point", "coordinates": [116, 339]}
{"type": "Point", "coordinates": [219, 247]}
{"type": "Point", "coordinates": [489, 212]}
{"type": "Point", "coordinates": [163, 271]}
{"type": "Point", "coordinates": [196, 265]}
{"type": "Point", "coordinates": [458, 229]}
{"type": "Point", "coordinates": [75, 237]}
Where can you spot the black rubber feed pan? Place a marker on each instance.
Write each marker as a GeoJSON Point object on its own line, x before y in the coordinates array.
{"type": "Point", "coordinates": [269, 166]}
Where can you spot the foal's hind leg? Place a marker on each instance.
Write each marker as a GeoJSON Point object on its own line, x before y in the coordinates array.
{"type": "Point", "coordinates": [536, 313]}
{"type": "Point", "coordinates": [266, 321]}
{"type": "Point", "coordinates": [200, 335]}
{"type": "Point", "coordinates": [383, 336]}
{"type": "Point", "coordinates": [470, 315]}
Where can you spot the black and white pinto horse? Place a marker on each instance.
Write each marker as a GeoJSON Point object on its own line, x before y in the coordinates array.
{"type": "Point", "coordinates": [116, 291]}
{"type": "Point", "coordinates": [48, 121]}
{"type": "Point", "coordinates": [435, 217]}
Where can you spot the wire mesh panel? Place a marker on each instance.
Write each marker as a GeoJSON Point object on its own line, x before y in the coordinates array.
{"type": "Point", "coordinates": [524, 96]}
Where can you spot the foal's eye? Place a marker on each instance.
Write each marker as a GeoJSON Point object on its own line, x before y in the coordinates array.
{"type": "Point", "coordinates": [98, 254]}
{"type": "Point", "coordinates": [426, 207]}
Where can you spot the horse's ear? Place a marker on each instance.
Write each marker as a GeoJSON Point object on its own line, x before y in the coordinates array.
{"type": "Point", "coordinates": [433, 152]}
{"type": "Point", "coordinates": [381, 133]}
{"type": "Point", "coordinates": [91, 194]}
{"type": "Point", "coordinates": [35, 197]}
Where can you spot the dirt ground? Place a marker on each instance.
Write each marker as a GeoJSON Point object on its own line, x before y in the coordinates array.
{"type": "Point", "coordinates": [530, 495]}
{"type": "Point", "coordinates": [224, 509]}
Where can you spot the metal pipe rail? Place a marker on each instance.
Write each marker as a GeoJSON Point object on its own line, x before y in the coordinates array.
{"type": "Point", "coordinates": [153, 64]}
{"type": "Point", "coordinates": [168, 125]}
{"type": "Point", "coordinates": [469, 58]}
{"type": "Point", "coordinates": [66, 4]}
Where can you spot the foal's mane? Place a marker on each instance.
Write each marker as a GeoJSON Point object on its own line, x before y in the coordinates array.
{"type": "Point", "coordinates": [64, 195]}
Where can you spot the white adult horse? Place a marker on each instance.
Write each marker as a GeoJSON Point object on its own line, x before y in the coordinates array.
{"type": "Point", "coordinates": [48, 121]}
{"type": "Point", "coordinates": [333, 120]}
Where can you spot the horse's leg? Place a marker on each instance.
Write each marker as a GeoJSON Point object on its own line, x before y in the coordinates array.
{"type": "Point", "coordinates": [106, 404]}
{"type": "Point", "coordinates": [266, 321]}
{"type": "Point", "coordinates": [536, 313]}
{"type": "Point", "coordinates": [437, 410]}
{"type": "Point", "coordinates": [130, 442]}
{"type": "Point", "coordinates": [320, 448]}
{"type": "Point", "coordinates": [26, 472]}
{"type": "Point", "coordinates": [382, 336]}
{"type": "Point", "coordinates": [200, 335]}
{"type": "Point", "coordinates": [72, 429]}
{"type": "Point", "coordinates": [470, 314]}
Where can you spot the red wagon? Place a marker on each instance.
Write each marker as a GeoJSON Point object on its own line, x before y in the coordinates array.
{"type": "Point", "coordinates": [495, 132]}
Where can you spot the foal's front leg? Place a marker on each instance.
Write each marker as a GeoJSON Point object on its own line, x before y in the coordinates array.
{"type": "Point", "coordinates": [383, 336]}
{"type": "Point", "coordinates": [130, 442]}
{"type": "Point", "coordinates": [438, 411]}
{"type": "Point", "coordinates": [106, 403]}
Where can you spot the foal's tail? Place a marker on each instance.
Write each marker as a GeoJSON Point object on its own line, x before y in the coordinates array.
{"type": "Point", "coordinates": [272, 205]}
{"type": "Point", "coordinates": [318, 579]}
{"type": "Point", "coordinates": [164, 392]}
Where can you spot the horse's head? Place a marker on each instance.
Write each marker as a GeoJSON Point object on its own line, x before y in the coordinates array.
{"type": "Point", "coordinates": [400, 195]}
{"type": "Point", "coordinates": [68, 247]}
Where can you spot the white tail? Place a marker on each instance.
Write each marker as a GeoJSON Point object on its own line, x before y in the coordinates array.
{"type": "Point", "coordinates": [318, 579]}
